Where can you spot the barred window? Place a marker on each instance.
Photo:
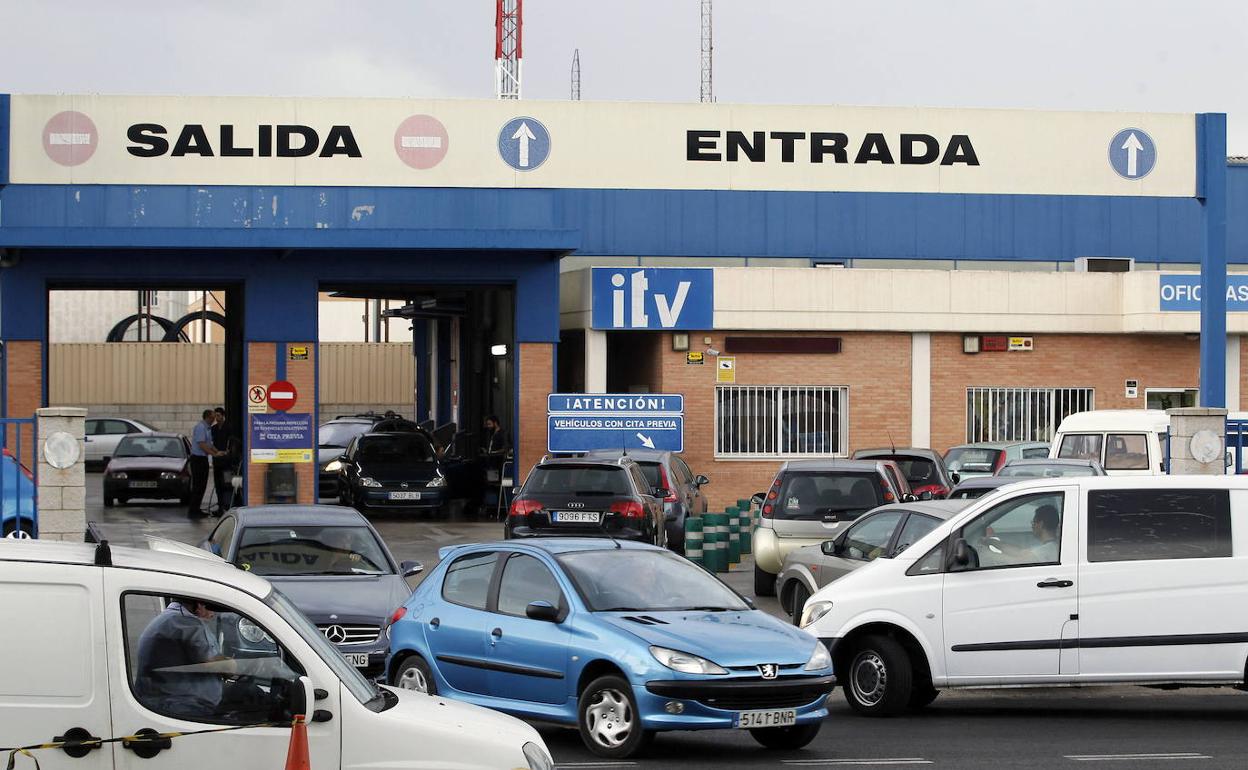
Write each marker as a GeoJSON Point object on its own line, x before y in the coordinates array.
{"type": "Point", "coordinates": [781, 420]}
{"type": "Point", "coordinates": [1021, 414]}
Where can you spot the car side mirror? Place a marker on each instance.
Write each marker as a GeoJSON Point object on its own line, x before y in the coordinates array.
{"type": "Point", "coordinates": [758, 497]}
{"type": "Point", "coordinates": [297, 693]}
{"type": "Point", "coordinates": [925, 494]}
{"type": "Point", "coordinates": [701, 480]}
{"type": "Point", "coordinates": [955, 477]}
{"type": "Point", "coordinates": [661, 492]}
{"type": "Point", "coordinates": [411, 568]}
{"type": "Point", "coordinates": [829, 547]}
{"type": "Point", "coordinates": [542, 610]}
{"type": "Point", "coordinates": [908, 498]}
{"type": "Point", "coordinates": [961, 553]}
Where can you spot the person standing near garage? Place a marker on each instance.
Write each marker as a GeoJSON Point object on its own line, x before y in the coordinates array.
{"type": "Point", "coordinates": [221, 461]}
{"type": "Point", "coordinates": [201, 450]}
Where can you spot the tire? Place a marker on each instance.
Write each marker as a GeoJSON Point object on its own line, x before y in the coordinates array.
{"type": "Point", "coordinates": [880, 679]}
{"type": "Point", "coordinates": [608, 719]}
{"type": "Point", "coordinates": [123, 501]}
{"type": "Point", "coordinates": [19, 529]}
{"type": "Point", "coordinates": [108, 501]}
{"type": "Point", "coordinates": [414, 674]}
{"type": "Point", "coordinates": [786, 738]}
{"type": "Point", "coordinates": [800, 595]}
{"type": "Point", "coordinates": [921, 695]}
{"type": "Point", "coordinates": [764, 583]}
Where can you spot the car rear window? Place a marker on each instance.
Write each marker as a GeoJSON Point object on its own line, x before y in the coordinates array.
{"type": "Point", "coordinates": [652, 473]}
{"type": "Point", "coordinates": [578, 480]}
{"type": "Point", "coordinates": [1081, 446]}
{"type": "Point", "coordinates": [919, 471]}
{"type": "Point", "coordinates": [972, 459]}
{"type": "Point", "coordinates": [815, 495]}
{"type": "Point", "coordinates": [150, 446]}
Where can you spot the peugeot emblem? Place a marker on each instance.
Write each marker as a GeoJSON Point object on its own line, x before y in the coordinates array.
{"type": "Point", "coordinates": [576, 505]}
{"type": "Point", "coordinates": [768, 670]}
{"type": "Point", "coordinates": [337, 634]}
{"type": "Point", "coordinates": [404, 485]}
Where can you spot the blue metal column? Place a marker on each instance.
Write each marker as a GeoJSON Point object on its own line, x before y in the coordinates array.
{"type": "Point", "coordinates": [1211, 189]}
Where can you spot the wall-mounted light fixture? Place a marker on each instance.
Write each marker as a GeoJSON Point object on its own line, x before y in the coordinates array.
{"type": "Point", "coordinates": [498, 350]}
{"type": "Point", "coordinates": [680, 341]}
{"type": "Point", "coordinates": [970, 343]}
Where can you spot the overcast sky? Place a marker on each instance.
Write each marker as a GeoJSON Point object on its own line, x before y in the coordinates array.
{"type": "Point", "coordinates": [1140, 55]}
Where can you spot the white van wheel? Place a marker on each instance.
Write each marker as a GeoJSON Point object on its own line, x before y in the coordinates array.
{"type": "Point", "coordinates": [414, 674]}
{"type": "Point", "coordinates": [880, 677]}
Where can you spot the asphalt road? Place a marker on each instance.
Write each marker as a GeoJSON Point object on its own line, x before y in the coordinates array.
{"type": "Point", "coordinates": [1124, 727]}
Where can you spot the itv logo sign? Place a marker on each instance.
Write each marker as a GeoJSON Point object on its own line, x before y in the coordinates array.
{"type": "Point", "coordinates": [653, 298]}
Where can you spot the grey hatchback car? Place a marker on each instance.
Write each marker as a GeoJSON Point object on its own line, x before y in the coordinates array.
{"type": "Point", "coordinates": [667, 471]}
{"type": "Point", "coordinates": [885, 531]}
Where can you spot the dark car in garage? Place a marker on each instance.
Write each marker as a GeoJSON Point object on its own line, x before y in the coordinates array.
{"type": "Point", "coordinates": [149, 466]}
{"type": "Point", "coordinates": [399, 471]}
{"type": "Point", "coordinates": [332, 439]}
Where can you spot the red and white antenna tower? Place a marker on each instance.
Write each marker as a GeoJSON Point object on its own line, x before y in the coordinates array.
{"type": "Point", "coordinates": [508, 51]}
{"type": "Point", "coordinates": [707, 92]}
{"type": "Point", "coordinates": [576, 75]}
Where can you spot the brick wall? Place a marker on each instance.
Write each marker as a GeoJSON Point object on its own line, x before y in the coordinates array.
{"type": "Point", "coordinates": [536, 370]}
{"type": "Point", "coordinates": [25, 387]}
{"type": "Point", "coordinates": [260, 368]}
{"type": "Point", "coordinates": [874, 366]}
{"type": "Point", "coordinates": [1099, 361]}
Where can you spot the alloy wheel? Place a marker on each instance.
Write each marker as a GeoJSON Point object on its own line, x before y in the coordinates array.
{"type": "Point", "coordinates": [609, 718]}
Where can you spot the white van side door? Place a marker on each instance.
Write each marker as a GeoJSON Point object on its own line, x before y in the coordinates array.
{"type": "Point", "coordinates": [1011, 609]}
{"type": "Point", "coordinates": [1162, 594]}
{"type": "Point", "coordinates": [161, 682]}
{"type": "Point", "coordinates": [53, 676]}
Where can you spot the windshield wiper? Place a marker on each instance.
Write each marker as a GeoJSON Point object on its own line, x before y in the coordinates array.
{"type": "Point", "coordinates": [621, 609]}
{"type": "Point", "coordinates": [707, 608]}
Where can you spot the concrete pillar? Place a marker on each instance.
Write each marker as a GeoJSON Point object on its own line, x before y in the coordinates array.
{"type": "Point", "coordinates": [595, 361]}
{"type": "Point", "coordinates": [921, 389]}
{"type": "Point", "coordinates": [1193, 430]}
{"type": "Point", "coordinates": [61, 491]}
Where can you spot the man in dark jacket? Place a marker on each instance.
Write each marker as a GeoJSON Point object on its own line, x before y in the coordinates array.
{"type": "Point", "coordinates": [221, 462]}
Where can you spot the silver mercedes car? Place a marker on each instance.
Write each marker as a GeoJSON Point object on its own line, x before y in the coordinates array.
{"type": "Point", "coordinates": [884, 531]}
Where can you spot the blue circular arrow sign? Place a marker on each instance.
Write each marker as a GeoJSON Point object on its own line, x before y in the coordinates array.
{"type": "Point", "coordinates": [1132, 153]}
{"type": "Point", "coordinates": [524, 143]}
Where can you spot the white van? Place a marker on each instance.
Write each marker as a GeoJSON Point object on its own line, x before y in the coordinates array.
{"type": "Point", "coordinates": [1076, 580]}
{"type": "Point", "coordinates": [1126, 442]}
{"type": "Point", "coordinates": [78, 658]}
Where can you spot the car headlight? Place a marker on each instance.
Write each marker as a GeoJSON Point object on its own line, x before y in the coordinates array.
{"type": "Point", "coordinates": [369, 481]}
{"type": "Point", "coordinates": [251, 632]}
{"type": "Point", "coordinates": [537, 757]}
{"type": "Point", "coordinates": [119, 475]}
{"type": "Point", "coordinates": [685, 662]}
{"type": "Point", "coordinates": [814, 611]}
{"type": "Point", "coordinates": [436, 481]}
{"type": "Point", "coordinates": [168, 475]}
{"type": "Point", "coordinates": [334, 465]}
{"type": "Point", "coordinates": [819, 659]}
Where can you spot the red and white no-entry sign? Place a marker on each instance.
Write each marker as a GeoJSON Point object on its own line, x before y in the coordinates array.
{"type": "Point", "coordinates": [421, 141]}
{"type": "Point", "coordinates": [282, 396]}
{"type": "Point", "coordinates": [70, 138]}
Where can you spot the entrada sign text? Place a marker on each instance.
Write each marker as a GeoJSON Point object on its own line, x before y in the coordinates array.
{"type": "Point", "coordinates": [906, 149]}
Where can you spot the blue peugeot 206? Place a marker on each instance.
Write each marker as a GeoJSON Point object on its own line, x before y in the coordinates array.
{"type": "Point", "coordinates": [622, 640]}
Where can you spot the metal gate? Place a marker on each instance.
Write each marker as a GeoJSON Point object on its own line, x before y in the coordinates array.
{"type": "Point", "coordinates": [19, 481]}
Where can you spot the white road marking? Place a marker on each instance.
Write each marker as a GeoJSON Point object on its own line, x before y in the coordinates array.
{"type": "Point", "coordinates": [865, 761]}
{"type": "Point", "coordinates": [1135, 757]}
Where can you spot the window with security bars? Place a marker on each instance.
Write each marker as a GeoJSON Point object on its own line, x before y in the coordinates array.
{"type": "Point", "coordinates": [781, 420]}
{"type": "Point", "coordinates": [1022, 414]}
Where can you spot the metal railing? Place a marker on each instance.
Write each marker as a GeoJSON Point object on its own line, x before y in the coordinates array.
{"type": "Point", "coordinates": [781, 420]}
{"type": "Point", "coordinates": [1022, 414]}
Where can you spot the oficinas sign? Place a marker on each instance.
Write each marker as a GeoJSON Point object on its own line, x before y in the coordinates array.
{"type": "Point", "coordinates": [152, 140]}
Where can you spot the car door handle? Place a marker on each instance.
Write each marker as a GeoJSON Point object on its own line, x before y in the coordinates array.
{"type": "Point", "coordinates": [1053, 583]}
{"type": "Point", "coordinates": [434, 623]}
{"type": "Point", "coordinates": [147, 743]}
{"type": "Point", "coordinates": [78, 742]}
{"type": "Point", "coordinates": [495, 635]}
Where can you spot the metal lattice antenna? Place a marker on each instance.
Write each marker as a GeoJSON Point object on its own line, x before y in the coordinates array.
{"type": "Point", "coordinates": [576, 75]}
{"type": "Point", "coordinates": [508, 48]}
{"type": "Point", "coordinates": [708, 93]}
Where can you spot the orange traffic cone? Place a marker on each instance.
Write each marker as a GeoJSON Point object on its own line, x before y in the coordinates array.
{"type": "Point", "coordinates": [297, 753]}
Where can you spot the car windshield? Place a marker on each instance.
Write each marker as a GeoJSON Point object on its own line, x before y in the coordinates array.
{"type": "Point", "coordinates": [1046, 470]}
{"type": "Point", "coordinates": [814, 495]}
{"type": "Point", "coordinates": [578, 480]}
{"type": "Point", "coordinates": [398, 447]}
{"type": "Point", "coordinates": [310, 550]}
{"type": "Point", "coordinates": [646, 581]}
{"type": "Point", "coordinates": [339, 434]}
{"type": "Point", "coordinates": [150, 446]}
{"type": "Point", "coordinates": [972, 459]}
